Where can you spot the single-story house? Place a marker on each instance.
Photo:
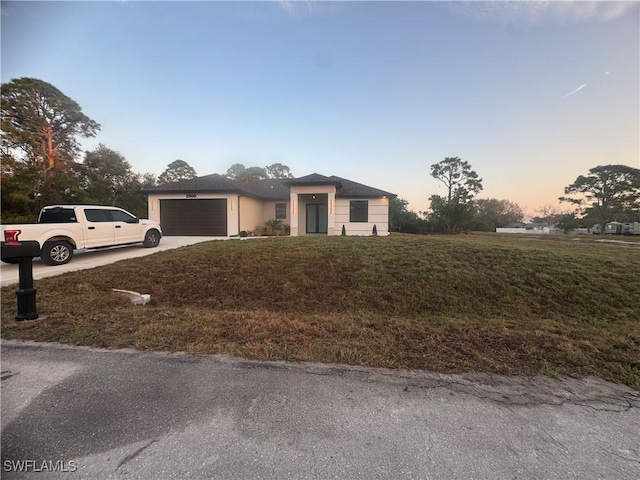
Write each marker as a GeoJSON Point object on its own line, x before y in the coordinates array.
{"type": "Point", "coordinates": [214, 205]}
{"type": "Point", "coordinates": [531, 228]}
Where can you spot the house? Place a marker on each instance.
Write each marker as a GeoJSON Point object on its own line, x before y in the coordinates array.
{"type": "Point", "coordinates": [213, 205]}
{"type": "Point", "coordinates": [618, 228]}
{"type": "Point", "coordinates": [530, 228]}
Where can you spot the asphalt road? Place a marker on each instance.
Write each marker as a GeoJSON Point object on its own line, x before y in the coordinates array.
{"type": "Point", "coordinates": [84, 259]}
{"type": "Point", "coordinates": [131, 415]}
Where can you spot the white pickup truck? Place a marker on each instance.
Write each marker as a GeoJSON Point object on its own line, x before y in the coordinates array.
{"type": "Point", "coordinates": [64, 228]}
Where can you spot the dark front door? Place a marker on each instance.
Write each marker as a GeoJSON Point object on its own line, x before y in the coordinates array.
{"type": "Point", "coordinates": [317, 218]}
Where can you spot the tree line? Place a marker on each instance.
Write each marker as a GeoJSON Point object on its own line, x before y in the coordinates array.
{"type": "Point", "coordinates": [608, 193]}
{"type": "Point", "coordinates": [39, 147]}
{"type": "Point", "coordinates": [41, 129]}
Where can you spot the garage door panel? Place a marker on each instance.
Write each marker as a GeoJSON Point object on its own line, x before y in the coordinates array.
{"type": "Point", "coordinates": [198, 217]}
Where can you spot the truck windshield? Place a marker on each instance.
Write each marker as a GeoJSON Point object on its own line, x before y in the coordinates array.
{"type": "Point", "coordinates": [57, 215]}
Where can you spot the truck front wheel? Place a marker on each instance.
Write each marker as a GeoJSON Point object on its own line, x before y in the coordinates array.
{"type": "Point", "coordinates": [57, 252]}
{"type": "Point", "coordinates": [151, 239]}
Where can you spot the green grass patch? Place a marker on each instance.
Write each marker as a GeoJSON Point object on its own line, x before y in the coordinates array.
{"type": "Point", "coordinates": [504, 304]}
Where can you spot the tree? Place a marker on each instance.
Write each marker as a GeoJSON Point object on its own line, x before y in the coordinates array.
{"type": "Point", "coordinates": [149, 180]}
{"type": "Point", "coordinates": [242, 174]}
{"type": "Point", "coordinates": [41, 126]}
{"type": "Point", "coordinates": [278, 170]}
{"type": "Point", "coordinates": [401, 219]}
{"type": "Point", "coordinates": [607, 193]}
{"type": "Point", "coordinates": [235, 170]}
{"type": "Point", "coordinates": [107, 179]}
{"type": "Point", "coordinates": [175, 171]}
{"type": "Point", "coordinates": [492, 213]}
{"type": "Point", "coordinates": [450, 216]}
{"type": "Point", "coordinates": [18, 202]}
{"type": "Point", "coordinates": [462, 183]}
{"type": "Point", "coordinates": [549, 215]}
{"type": "Point", "coordinates": [397, 208]}
{"type": "Point", "coordinates": [570, 221]}
{"type": "Point", "coordinates": [252, 174]}
{"type": "Point", "coordinates": [24, 193]}
{"type": "Point", "coordinates": [454, 211]}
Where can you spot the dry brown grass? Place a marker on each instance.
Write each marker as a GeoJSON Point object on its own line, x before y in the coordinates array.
{"type": "Point", "coordinates": [490, 303]}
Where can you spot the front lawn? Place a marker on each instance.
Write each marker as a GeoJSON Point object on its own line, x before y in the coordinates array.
{"type": "Point", "coordinates": [503, 304]}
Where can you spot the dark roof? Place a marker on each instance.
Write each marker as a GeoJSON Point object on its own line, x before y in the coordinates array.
{"type": "Point", "coordinates": [208, 183]}
{"type": "Point", "coordinates": [313, 179]}
{"type": "Point", "coordinates": [354, 189]}
{"type": "Point", "coordinates": [344, 187]}
{"type": "Point", "coordinates": [271, 189]}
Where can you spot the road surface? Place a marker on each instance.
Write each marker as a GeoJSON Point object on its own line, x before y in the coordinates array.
{"type": "Point", "coordinates": [123, 414]}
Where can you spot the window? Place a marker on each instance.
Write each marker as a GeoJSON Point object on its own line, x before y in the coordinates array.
{"type": "Point", "coordinates": [281, 211]}
{"type": "Point", "coordinates": [359, 211]}
{"type": "Point", "coordinates": [58, 215]}
{"type": "Point", "coordinates": [95, 215]}
{"type": "Point", "coordinates": [120, 216]}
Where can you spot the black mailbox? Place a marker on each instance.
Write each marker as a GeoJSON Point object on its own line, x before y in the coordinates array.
{"type": "Point", "coordinates": [14, 251]}
{"type": "Point", "coordinates": [22, 253]}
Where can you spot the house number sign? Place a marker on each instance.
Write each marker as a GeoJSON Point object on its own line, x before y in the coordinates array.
{"type": "Point", "coordinates": [191, 195]}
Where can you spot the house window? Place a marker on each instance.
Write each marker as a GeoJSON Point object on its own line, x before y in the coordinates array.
{"type": "Point", "coordinates": [359, 211]}
{"type": "Point", "coordinates": [281, 211]}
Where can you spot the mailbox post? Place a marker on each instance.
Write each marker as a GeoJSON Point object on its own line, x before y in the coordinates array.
{"type": "Point", "coordinates": [22, 253]}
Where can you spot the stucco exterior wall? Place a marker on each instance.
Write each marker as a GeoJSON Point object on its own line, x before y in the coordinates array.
{"type": "Point", "coordinates": [246, 213]}
{"type": "Point", "coordinates": [232, 207]}
{"type": "Point", "coordinates": [269, 211]}
{"type": "Point", "coordinates": [321, 199]}
{"type": "Point", "coordinates": [250, 213]}
{"type": "Point", "coordinates": [298, 202]}
{"type": "Point", "coordinates": [378, 216]}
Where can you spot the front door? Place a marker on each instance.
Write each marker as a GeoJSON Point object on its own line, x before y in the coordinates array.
{"type": "Point", "coordinates": [317, 218]}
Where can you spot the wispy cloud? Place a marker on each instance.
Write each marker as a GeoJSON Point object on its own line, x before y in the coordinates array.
{"type": "Point", "coordinates": [558, 11]}
{"type": "Point", "coordinates": [576, 90]}
{"type": "Point", "coordinates": [297, 7]}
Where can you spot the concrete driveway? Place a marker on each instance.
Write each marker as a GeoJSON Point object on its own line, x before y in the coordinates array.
{"type": "Point", "coordinates": [124, 414]}
{"type": "Point", "coordinates": [83, 259]}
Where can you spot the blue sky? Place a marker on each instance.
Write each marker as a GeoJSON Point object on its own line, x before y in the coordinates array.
{"type": "Point", "coordinates": [532, 94]}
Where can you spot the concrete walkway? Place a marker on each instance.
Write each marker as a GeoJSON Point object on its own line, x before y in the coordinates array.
{"type": "Point", "coordinates": [84, 259]}
{"type": "Point", "coordinates": [131, 415]}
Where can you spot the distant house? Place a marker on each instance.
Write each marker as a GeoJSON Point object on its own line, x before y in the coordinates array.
{"type": "Point", "coordinates": [617, 228]}
{"type": "Point", "coordinates": [213, 205]}
{"type": "Point", "coordinates": [530, 228]}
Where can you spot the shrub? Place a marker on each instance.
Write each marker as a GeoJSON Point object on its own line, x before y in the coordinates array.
{"type": "Point", "coordinates": [274, 227]}
{"type": "Point", "coordinates": [10, 218]}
